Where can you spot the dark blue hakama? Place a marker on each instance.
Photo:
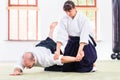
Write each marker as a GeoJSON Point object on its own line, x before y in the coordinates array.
{"type": "Point", "coordinates": [86, 64]}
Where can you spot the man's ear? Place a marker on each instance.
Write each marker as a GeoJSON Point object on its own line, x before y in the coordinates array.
{"type": "Point", "coordinates": [33, 59]}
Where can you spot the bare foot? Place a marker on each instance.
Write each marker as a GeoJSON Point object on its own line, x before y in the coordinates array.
{"type": "Point", "coordinates": [53, 25]}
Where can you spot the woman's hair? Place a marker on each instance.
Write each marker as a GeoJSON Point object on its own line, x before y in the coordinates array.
{"type": "Point", "coordinates": [68, 5]}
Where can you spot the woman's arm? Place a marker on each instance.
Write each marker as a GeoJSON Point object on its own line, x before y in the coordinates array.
{"type": "Point", "coordinates": [80, 53]}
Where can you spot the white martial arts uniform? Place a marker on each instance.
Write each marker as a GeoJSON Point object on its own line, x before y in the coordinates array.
{"type": "Point", "coordinates": [70, 30]}
{"type": "Point", "coordinates": [79, 26]}
{"type": "Point", "coordinates": [43, 58]}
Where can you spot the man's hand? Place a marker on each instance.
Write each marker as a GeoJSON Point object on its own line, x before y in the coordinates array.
{"type": "Point", "coordinates": [16, 72]}
{"type": "Point", "coordinates": [80, 55]}
{"type": "Point", "coordinates": [56, 55]}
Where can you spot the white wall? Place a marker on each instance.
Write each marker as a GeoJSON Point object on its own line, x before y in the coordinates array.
{"type": "Point", "coordinates": [49, 12]}
{"type": "Point", "coordinates": [104, 47]}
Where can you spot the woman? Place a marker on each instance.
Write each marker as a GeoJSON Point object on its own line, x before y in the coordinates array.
{"type": "Point", "coordinates": [75, 29]}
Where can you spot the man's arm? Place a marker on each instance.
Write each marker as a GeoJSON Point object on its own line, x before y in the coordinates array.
{"type": "Point", "coordinates": [57, 53]}
{"type": "Point", "coordinates": [18, 68]}
{"type": "Point", "coordinates": [68, 59]}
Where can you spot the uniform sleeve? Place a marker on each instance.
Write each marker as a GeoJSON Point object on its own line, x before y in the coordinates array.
{"type": "Point", "coordinates": [62, 35]}
{"type": "Point", "coordinates": [59, 62]}
{"type": "Point", "coordinates": [85, 30]}
{"type": "Point", "coordinates": [19, 64]}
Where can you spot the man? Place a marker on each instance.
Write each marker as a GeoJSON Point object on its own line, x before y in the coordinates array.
{"type": "Point", "coordinates": [42, 55]}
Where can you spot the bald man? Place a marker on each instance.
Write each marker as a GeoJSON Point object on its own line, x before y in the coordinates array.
{"type": "Point", "coordinates": [42, 55]}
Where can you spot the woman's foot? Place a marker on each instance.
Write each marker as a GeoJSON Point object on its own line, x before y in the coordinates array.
{"type": "Point", "coordinates": [94, 68]}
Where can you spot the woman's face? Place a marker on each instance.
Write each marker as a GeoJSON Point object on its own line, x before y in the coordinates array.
{"type": "Point", "coordinates": [71, 13]}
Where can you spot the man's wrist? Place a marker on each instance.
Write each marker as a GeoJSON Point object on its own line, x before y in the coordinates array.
{"type": "Point", "coordinates": [57, 52]}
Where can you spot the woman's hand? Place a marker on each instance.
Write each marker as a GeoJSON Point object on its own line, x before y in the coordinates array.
{"type": "Point", "coordinates": [80, 55]}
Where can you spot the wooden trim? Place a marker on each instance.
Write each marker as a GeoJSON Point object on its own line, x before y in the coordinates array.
{"type": "Point", "coordinates": [23, 7]}
{"type": "Point", "coordinates": [8, 24]}
{"type": "Point", "coordinates": [87, 5]}
{"type": "Point", "coordinates": [8, 21]}
{"type": "Point", "coordinates": [27, 23]}
{"type": "Point", "coordinates": [36, 2]}
{"type": "Point", "coordinates": [8, 2]}
{"type": "Point", "coordinates": [86, 2]}
{"type": "Point", "coordinates": [27, 18]}
{"type": "Point", "coordinates": [37, 21]}
{"type": "Point", "coordinates": [36, 25]}
{"type": "Point", "coordinates": [85, 8]}
{"type": "Point", "coordinates": [23, 4]}
{"type": "Point", "coordinates": [21, 40]}
{"type": "Point", "coordinates": [95, 25]}
{"type": "Point", "coordinates": [18, 22]}
{"type": "Point", "coordinates": [95, 2]}
{"type": "Point", "coordinates": [18, 7]}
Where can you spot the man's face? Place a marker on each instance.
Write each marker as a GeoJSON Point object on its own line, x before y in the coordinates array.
{"type": "Point", "coordinates": [28, 63]}
{"type": "Point", "coordinates": [71, 13]}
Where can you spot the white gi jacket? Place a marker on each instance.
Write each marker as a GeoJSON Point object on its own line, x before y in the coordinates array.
{"type": "Point", "coordinates": [43, 58]}
{"type": "Point", "coordinates": [79, 26]}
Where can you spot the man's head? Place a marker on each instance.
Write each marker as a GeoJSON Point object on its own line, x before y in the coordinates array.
{"type": "Point", "coordinates": [69, 8]}
{"type": "Point", "coordinates": [28, 59]}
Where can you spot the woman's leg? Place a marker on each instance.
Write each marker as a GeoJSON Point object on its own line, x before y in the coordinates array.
{"type": "Point", "coordinates": [52, 27]}
{"type": "Point", "coordinates": [70, 50]}
{"type": "Point", "coordinates": [87, 63]}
